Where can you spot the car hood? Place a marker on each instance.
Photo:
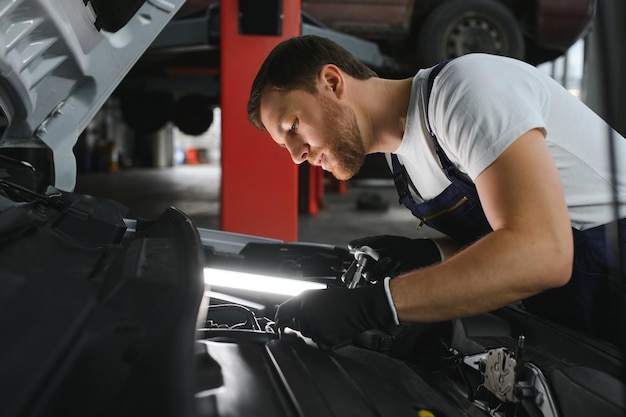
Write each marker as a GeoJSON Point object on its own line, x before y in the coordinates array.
{"type": "Point", "coordinates": [59, 62]}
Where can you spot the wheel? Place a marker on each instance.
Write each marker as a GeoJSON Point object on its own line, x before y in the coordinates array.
{"type": "Point", "coordinates": [193, 114]}
{"type": "Point", "coordinates": [459, 27]}
{"type": "Point", "coordinates": [146, 112]}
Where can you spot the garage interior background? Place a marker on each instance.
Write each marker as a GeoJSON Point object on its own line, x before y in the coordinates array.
{"type": "Point", "coordinates": [152, 171]}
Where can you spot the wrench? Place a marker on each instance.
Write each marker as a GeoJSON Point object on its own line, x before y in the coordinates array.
{"type": "Point", "coordinates": [353, 274]}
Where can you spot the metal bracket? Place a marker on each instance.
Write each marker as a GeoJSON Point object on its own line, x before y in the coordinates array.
{"type": "Point", "coordinates": [514, 381]}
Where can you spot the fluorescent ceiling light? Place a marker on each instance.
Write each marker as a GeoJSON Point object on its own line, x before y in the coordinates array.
{"type": "Point", "coordinates": [256, 282]}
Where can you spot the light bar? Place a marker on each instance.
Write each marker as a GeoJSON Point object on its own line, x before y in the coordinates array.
{"type": "Point", "coordinates": [259, 283]}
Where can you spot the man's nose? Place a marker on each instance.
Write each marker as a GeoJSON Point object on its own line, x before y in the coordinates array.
{"type": "Point", "coordinates": [299, 151]}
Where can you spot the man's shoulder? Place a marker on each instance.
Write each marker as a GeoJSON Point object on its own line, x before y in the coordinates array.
{"type": "Point", "coordinates": [477, 75]}
{"type": "Point", "coordinates": [483, 60]}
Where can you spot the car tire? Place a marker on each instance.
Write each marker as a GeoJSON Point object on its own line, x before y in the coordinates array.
{"type": "Point", "coordinates": [193, 114]}
{"type": "Point", "coordinates": [146, 112]}
{"type": "Point", "coordinates": [458, 27]}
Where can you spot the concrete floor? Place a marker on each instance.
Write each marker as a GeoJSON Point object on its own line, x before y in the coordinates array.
{"type": "Point", "coordinates": [195, 189]}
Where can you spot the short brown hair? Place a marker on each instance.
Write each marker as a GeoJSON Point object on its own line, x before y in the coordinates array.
{"type": "Point", "coordinates": [295, 63]}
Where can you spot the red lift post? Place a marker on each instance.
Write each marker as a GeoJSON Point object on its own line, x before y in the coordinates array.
{"type": "Point", "coordinates": [259, 193]}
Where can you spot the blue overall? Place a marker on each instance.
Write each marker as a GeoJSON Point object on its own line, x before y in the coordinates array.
{"type": "Point", "coordinates": [589, 302]}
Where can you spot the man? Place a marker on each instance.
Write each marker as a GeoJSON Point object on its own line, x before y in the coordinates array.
{"type": "Point", "coordinates": [516, 172]}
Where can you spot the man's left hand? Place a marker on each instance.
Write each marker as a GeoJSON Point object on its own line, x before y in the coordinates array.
{"type": "Point", "coordinates": [334, 316]}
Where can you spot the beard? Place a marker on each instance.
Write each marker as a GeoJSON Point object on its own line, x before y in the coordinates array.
{"type": "Point", "coordinates": [344, 139]}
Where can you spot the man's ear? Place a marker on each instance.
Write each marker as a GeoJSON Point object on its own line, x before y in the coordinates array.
{"type": "Point", "coordinates": [332, 79]}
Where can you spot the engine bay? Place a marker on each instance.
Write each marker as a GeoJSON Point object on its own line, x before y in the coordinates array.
{"type": "Point", "coordinates": [119, 316]}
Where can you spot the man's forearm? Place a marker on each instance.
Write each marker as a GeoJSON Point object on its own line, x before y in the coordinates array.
{"type": "Point", "coordinates": [447, 247]}
{"type": "Point", "coordinates": [499, 269]}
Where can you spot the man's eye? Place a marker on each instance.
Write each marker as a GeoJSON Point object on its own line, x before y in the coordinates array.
{"type": "Point", "coordinates": [294, 126]}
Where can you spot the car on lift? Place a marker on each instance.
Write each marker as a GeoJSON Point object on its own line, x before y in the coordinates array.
{"type": "Point", "coordinates": [409, 34]}
{"type": "Point", "coordinates": [424, 32]}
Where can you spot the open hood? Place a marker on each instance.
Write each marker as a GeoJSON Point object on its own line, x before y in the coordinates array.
{"type": "Point", "coordinates": [59, 62]}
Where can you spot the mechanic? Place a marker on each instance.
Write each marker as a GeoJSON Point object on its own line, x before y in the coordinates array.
{"type": "Point", "coordinates": [516, 173]}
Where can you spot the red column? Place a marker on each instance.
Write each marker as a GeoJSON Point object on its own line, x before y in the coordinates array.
{"type": "Point", "coordinates": [259, 193]}
{"type": "Point", "coordinates": [316, 189]}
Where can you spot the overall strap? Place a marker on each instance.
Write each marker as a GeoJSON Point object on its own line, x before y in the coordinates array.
{"type": "Point", "coordinates": [456, 211]}
{"type": "Point", "coordinates": [443, 158]}
{"type": "Point", "coordinates": [400, 176]}
{"type": "Point", "coordinates": [431, 80]}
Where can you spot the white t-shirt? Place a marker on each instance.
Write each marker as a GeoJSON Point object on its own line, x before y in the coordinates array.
{"type": "Point", "coordinates": [480, 104]}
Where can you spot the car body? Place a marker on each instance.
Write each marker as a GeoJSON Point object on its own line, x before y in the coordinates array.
{"type": "Point", "coordinates": [435, 30]}
{"type": "Point", "coordinates": [102, 315]}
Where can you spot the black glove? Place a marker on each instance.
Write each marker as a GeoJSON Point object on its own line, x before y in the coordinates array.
{"type": "Point", "coordinates": [332, 317]}
{"type": "Point", "coordinates": [398, 254]}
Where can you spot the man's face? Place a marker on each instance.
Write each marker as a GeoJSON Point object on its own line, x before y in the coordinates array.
{"type": "Point", "coordinates": [314, 128]}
